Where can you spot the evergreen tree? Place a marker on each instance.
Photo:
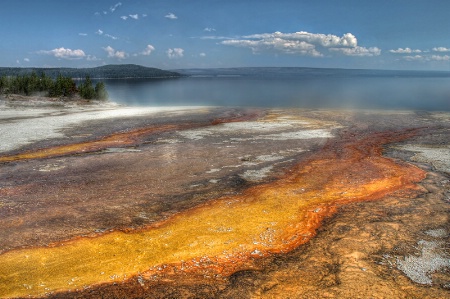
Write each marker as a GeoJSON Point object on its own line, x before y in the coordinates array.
{"type": "Point", "coordinates": [4, 84]}
{"type": "Point", "coordinates": [86, 89]}
{"type": "Point", "coordinates": [56, 88]}
{"type": "Point", "coordinates": [60, 87]}
{"type": "Point", "coordinates": [33, 83]}
{"type": "Point", "coordinates": [100, 91]}
{"type": "Point", "coordinates": [45, 83]}
{"type": "Point", "coordinates": [63, 87]}
{"type": "Point", "coordinates": [15, 84]}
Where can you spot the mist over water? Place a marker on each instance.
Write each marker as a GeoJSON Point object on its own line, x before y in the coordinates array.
{"type": "Point", "coordinates": [317, 91]}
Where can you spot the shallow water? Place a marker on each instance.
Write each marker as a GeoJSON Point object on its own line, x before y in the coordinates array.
{"type": "Point", "coordinates": [316, 91]}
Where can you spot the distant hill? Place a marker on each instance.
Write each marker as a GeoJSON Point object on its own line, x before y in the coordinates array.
{"type": "Point", "coordinates": [119, 71]}
{"type": "Point", "coordinates": [304, 72]}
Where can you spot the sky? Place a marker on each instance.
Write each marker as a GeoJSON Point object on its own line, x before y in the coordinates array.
{"type": "Point", "coordinates": [174, 34]}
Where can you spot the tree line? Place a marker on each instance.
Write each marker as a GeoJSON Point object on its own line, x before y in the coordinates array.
{"type": "Point", "coordinates": [121, 71]}
{"type": "Point", "coordinates": [32, 84]}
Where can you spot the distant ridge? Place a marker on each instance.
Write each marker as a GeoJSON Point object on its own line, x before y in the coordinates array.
{"type": "Point", "coordinates": [112, 71]}
{"type": "Point", "coordinates": [306, 72]}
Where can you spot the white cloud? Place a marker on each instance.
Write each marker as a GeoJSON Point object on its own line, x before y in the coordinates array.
{"type": "Point", "coordinates": [101, 32]}
{"type": "Point", "coordinates": [414, 58]}
{"type": "Point", "coordinates": [302, 43]}
{"type": "Point", "coordinates": [207, 29]}
{"type": "Point", "coordinates": [202, 54]}
{"type": "Point", "coordinates": [175, 53]}
{"type": "Point", "coordinates": [92, 58]}
{"type": "Point", "coordinates": [358, 51]}
{"type": "Point", "coordinates": [216, 37]}
{"type": "Point", "coordinates": [111, 36]}
{"type": "Point", "coordinates": [440, 58]}
{"type": "Point", "coordinates": [115, 6]}
{"type": "Point", "coordinates": [324, 40]}
{"type": "Point", "coordinates": [82, 34]}
{"type": "Point", "coordinates": [65, 53]}
{"type": "Point", "coordinates": [424, 56]}
{"type": "Point", "coordinates": [441, 49]}
{"type": "Point", "coordinates": [26, 59]}
{"type": "Point", "coordinates": [171, 16]}
{"type": "Point", "coordinates": [276, 44]}
{"type": "Point", "coordinates": [111, 9]}
{"type": "Point", "coordinates": [148, 50]}
{"type": "Point", "coordinates": [115, 54]}
{"type": "Point", "coordinates": [134, 17]}
{"type": "Point", "coordinates": [405, 51]}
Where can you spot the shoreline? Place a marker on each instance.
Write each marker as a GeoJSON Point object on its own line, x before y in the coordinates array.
{"type": "Point", "coordinates": [30, 122]}
{"type": "Point", "coordinates": [17, 100]}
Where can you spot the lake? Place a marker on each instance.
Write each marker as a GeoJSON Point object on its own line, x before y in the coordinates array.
{"type": "Point", "coordinates": [299, 89]}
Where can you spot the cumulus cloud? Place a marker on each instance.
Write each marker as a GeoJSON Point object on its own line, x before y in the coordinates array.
{"type": "Point", "coordinates": [324, 40]}
{"type": "Point", "coordinates": [115, 54]}
{"type": "Point", "coordinates": [64, 53]}
{"type": "Point", "coordinates": [275, 44]}
{"type": "Point", "coordinates": [405, 51]}
{"type": "Point", "coordinates": [202, 54]}
{"type": "Point", "coordinates": [171, 16]}
{"type": "Point", "coordinates": [358, 51]}
{"type": "Point", "coordinates": [425, 55]}
{"type": "Point", "coordinates": [99, 32]}
{"type": "Point", "coordinates": [26, 59]}
{"type": "Point", "coordinates": [303, 43]}
{"type": "Point", "coordinates": [208, 29]}
{"type": "Point", "coordinates": [414, 58]}
{"type": "Point", "coordinates": [135, 17]}
{"type": "Point", "coordinates": [148, 50]}
{"type": "Point", "coordinates": [441, 49]}
{"type": "Point", "coordinates": [440, 57]}
{"type": "Point", "coordinates": [124, 18]}
{"type": "Point", "coordinates": [175, 53]}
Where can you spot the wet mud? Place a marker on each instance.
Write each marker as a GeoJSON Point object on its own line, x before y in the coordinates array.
{"type": "Point", "coordinates": [254, 204]}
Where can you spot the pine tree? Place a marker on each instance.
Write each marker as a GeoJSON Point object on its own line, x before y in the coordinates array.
{"type": "Point", "coordinates": [86, 90]}
{"type": "Point", "coordinates": [45, 83]}
{"type": "Point", "coordinates": [60, 87]}
{"type": "Point", "coordinates": [100, 91]}
{"type": "Point", "coordinates": [4, 84]}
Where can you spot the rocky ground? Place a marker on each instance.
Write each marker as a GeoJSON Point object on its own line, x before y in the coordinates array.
{"type": "Point", "coordinates": [79, 174]}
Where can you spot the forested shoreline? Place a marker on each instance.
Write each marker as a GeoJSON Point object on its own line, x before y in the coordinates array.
{"type": "Point", "coordinates": [43, 85]}
{"type": "Point", "coordinates": [71, 83]}
{"type": "Point", "coordinates": [120, 71]}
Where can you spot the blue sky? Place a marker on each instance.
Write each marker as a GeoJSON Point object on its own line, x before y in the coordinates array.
{"type": "Point", "coordinates": [171, 34]}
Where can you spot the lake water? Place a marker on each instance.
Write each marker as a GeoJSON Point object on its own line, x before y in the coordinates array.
{"type": "Point", "coordinates": [416, 92]}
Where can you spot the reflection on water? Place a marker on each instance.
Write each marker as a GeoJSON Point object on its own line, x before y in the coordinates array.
{"type": "Point", "coordinates": [379, 92]}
